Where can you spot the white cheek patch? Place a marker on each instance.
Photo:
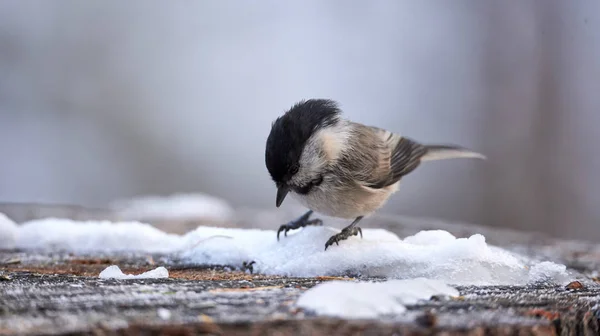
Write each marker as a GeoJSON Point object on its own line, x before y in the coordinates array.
{"type": "Point", "coordinates": [333, 141]}
{"type": "Point", "coordinates": [324, 146]}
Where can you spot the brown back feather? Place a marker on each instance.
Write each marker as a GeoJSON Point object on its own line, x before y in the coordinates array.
{"type": "Point", "coordinates": [380, 158]}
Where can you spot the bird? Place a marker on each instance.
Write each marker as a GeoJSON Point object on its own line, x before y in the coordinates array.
{"type": "Point", "coordinates": [340, 168]}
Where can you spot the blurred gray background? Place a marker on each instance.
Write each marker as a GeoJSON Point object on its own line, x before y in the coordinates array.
{"type": "Point", "coordinates": [110, 99]}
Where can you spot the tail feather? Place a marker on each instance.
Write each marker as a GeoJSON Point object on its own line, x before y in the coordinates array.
{"type": "Point", "coordinates": [443, 152]}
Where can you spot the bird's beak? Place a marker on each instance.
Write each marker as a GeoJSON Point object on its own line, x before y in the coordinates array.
{"type": "Point", "coordinates": [281, 193]}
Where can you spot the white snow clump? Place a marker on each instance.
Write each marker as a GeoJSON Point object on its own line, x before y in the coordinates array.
{"type": "Point", "coordinates": [66, 234]}
{"type": "Point", "coordinates": [548, 272]}
{"type": "Point", "coordinates": [114, 272]}
{"type": "Point", "coordinates": [368, 300]}
{"type": "Point", "coordinates": [432, 254]}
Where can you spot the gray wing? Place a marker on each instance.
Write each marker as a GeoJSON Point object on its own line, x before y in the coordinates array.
{"type": "Point", "coordinates": [381, 158]}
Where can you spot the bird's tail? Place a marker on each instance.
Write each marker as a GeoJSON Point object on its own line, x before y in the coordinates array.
{"type": "Point", "coordinates": [443, 152]}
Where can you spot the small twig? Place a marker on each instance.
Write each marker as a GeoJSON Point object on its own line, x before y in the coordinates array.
{"type": "Point", "coordinates": [211, 237]}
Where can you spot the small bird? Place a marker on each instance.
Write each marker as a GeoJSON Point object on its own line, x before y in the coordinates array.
{"type": "Point", "coordinates": [341, 168]}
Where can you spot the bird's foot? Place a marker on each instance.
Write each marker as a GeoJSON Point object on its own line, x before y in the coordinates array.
{"type": "Point", "coordinates": [345, 234]}
{"type": "Point", "coordinates": [300, 222]}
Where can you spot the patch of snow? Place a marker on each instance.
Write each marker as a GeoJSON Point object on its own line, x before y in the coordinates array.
{"type": "Point", "coordinates": [369, 300]}
{"type": "Point", "coordinates": [457, 261]}
{"type": "Point", "coordinates": [434, 254]}
{"type": "Point", "coordinates": [163, 314]}
{"type": "Point", "coordinates": [547, 271]}
{"type": "Point", "coordinates": [114, 272]}
{"type": "Point", "coordinates": [176, 206]}
{"type": "Point", "coordinates": [8, 232]}
{"type": "Point", "coordinates": [66, 234]}
{"type": "Point", "coordinates": [429, 238]}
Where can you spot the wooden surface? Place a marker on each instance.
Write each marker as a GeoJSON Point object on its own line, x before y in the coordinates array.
{"type": "Point", "coordinates": [60, 293]}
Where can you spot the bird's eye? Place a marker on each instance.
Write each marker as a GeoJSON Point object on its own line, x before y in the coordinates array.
{"type": "Point", "coordinates": [294, 169]}
{"type": "Point", "coordinates": [303, 190]}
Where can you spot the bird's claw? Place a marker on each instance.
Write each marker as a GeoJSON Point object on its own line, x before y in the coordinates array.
{"type": "Point", "coordinates": [330, 241]}
{"type": "Point", "coordinates": [345, 234]}
{"type": "Point", "coordinates": [298, 223]}
{"type": "Point", "coordinates": [285, 228]}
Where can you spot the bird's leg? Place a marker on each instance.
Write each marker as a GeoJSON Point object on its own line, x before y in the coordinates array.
{"type": "Point", "coordinates": [301, 221]}
{"type": "Point", "coordinates": [350, 230]}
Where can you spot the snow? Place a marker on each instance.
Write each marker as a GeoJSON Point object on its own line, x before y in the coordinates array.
{"type": "Point", "coordinates": [114, 272]}
{"type": "Point", "coordinates": [176, 206]}
{"type": "Point", "coordinates": [548, 272]}
{"type": "Point", "coordinates": [433, 254]}
{"type": "Point", "coordinates": [163, 313]}
{"type": "Point", "coordinates": [65, 234]}
{"type": "Point", "coordinates": [369, 300]}
{"type": "Point", "coordinates": [8, 232]}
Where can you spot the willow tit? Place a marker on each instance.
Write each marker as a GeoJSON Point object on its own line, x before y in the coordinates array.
{"type": "Point", "coordinates": [341, 168]}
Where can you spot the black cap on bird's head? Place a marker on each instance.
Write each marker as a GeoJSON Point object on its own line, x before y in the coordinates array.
{"type": "Point", "coordinates": [290, 133]}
